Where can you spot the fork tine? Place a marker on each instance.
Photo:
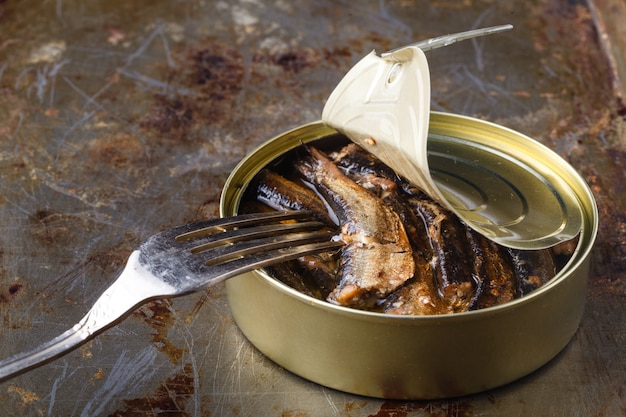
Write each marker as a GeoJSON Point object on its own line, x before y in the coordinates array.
{"type": "Point", "coordinates": [228, 253]}
{"type": "Point", "coordinates": [225, 270]}
{"type": "Point", "coordinates": [207, 227]}
{"type": "Point", "coordinates": [247, 233]}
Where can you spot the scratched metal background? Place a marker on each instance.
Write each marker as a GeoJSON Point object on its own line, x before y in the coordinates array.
{"type": "Point", "coordinates": [119, 119]}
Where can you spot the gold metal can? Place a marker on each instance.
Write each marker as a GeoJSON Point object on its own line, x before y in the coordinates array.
{"type": "Point", "coordinates": [416, 357]}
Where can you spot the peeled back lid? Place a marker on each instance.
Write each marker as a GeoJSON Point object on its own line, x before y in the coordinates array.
{"type": "Point", "coordinates": [496, 184]}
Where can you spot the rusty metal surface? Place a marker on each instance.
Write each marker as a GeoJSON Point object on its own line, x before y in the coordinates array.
{"type": "Point", "coordinates": [608, 16]}
{"type": "Point", "coordinates": [119, 119]}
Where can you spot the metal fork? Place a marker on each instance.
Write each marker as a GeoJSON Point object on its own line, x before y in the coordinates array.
{"type": "Point", "coordinates": [184, 259]}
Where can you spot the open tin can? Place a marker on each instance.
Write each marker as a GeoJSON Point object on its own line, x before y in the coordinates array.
{"type": "Point", "coordinates": [415, 357]}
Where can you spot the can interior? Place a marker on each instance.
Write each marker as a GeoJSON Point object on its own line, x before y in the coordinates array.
{"type": "Point", "coordinates": [451, 136]}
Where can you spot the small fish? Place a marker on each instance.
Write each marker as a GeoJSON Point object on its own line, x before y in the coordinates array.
{"type": "Point", "coordinates": [419, 295]}
{"type": "Point", "coordinates": [280, 193]}
{"type": "Point", "coordinates": [532, 269]}
{"type": "Point", "coordinates": [314, 276]}
{"type": "Point", "coordinates": [493, 271]}
{"type": "Point", "coordinates": [378, 257]}
{"type": "Point", "coordinates": [369, 172]}
{"type": "Point", "coordinates": [452, 262]}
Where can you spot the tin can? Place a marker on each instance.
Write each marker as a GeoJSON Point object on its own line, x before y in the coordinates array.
{"type": "Point", "coordinates": [415, 357]}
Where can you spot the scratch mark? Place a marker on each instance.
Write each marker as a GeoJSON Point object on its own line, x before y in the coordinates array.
{"type": "Point", "coordinates": [19, 125]}
{"type": "Point", "coordinates": [55, 69]}
{"type": "Point", "coordinates": [91, 99]}
{"type": "Point", "coordinates": [53, 80]}
{"type": "Point", "coordinates": [189, 342]}
{"type": "Point", "coordinates": [478, 48]}
{"type": "Point", "coordinates": [166, 47]}
{"type": "Point", "coordinates": [53, 391]}
{"type": "Point", "coordinates": [165, 88]}
{"type": "Point", "coordinates": [59, 9]}
{"type": "Point", "coordinates": [217, 353]}
{"type": "Point", "coordinates": [395, 22]}
{"type": "Point", "coordinates": [104, 88]}
{"type": "Point", "coordinates": [3, 67]}
{"type": "Point", "coordinates": [142, 48]}
{"type": "Point", "coordinates": [21, 75]}
{"type": "Point", "coordinates": [330, 401]}
{"type": "Point", "coordinates": [480, 85]}
{"type": "Point", "coordinates": [44, 77]}
{"type": "Point", "coordinates": [235, 371]}
{"type": "Point", "coordinates": [479, 44]}
{"type": "Point", "coordinates": [40, 84]}
{"type": "Point", "coordinates": [23, 209]}
{"type": "Point", "coordinates": [79, 123]}
{"type": "Point", "coordinates": [549, 71]}
{"type": "Point", "coordinates": [124, 375]}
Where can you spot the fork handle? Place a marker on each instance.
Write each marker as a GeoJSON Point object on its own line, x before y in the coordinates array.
{"type": "Point", "coordinates": [133, 287]}
{"type": "Point", "coordinates": [42, 353]}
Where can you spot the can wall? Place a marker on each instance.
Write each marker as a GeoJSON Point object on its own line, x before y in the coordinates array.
{"type": "Point", "coordinates": [119, 119]}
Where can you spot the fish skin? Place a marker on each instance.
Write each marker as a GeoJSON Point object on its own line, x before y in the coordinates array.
{"type": "Point", "coordinates": [310, 275]}
{"type": "Point", "coordinates": [378, 257]}
{"type": "Point", "coordinates": [452, 263]}
{"type": "Point", "coordinates": [280, 193]}
{"type": "Point", "coordinates": [494, 272]}
{"type": "Point", "coordinates": [419, 295]}
{"type": "Point", "coordinates": [289, 273]}
{"type": "Point", "coordinates": [354, 161]}
{"type": "Point", "coordinates": [369, 172]}
{"type": "Point", "coordinates": [532, 269]}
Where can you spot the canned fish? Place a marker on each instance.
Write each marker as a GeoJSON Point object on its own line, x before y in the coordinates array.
{"type": "Point", "coordinates": [419, 357]}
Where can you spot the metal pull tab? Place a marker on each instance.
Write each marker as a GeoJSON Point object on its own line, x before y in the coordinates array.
{"type": "Point", "coordinates": [445, 40]}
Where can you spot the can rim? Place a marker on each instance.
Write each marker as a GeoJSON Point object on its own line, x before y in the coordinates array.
{"type": "Point", "coordinates": [234, 187]}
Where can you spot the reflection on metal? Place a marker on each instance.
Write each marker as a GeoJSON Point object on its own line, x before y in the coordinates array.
{"type": "Point", "coordinates": [446, 40]}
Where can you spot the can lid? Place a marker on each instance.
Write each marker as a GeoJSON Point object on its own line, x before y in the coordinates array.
{"type": "Point", "coordinates": [490, 177]}
{"type": "Point", "coordinates": [505, 185]}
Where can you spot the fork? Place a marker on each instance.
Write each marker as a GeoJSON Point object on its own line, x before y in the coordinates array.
{"type": "Point", "coordinates": [185, 259]}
